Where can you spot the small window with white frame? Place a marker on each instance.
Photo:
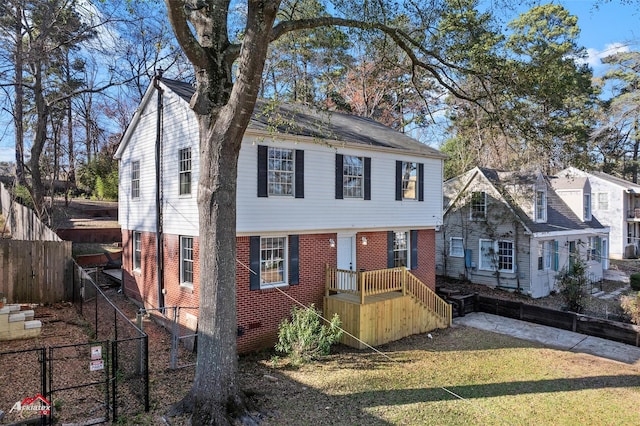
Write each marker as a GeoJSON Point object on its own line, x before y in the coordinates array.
{"type": "Point", "coordinates": [587, 207]}
{"type": "Point", "coordinates": [135, 179]}
{"type": "Point", "coordinates": [541, 206]}
{"type": "Point", "coordinates": [273, 261]}
{"type": "Point", "coordinates": [186, 261]}
{"type": "Point", "coordinates": [456, 247]}
{"type": "Point", "coordinates": [401, 250]}
{"type": "Point", "coordinates": [602, 201]}
{"type": "Point", "coordinates": [353, 176]}
{"type": "Point", "coordinates": [409, 181]}
{"type": "Point", "coordinates": [137, 250]}
{"type": "Point", "coordinates": [184, 178]}
{"type": "Point", "coordinates": [497, 255]}
{"type": "Point", "coordinates": [280, 171]}
{"type": "Point", "coordinates": [478, 205]}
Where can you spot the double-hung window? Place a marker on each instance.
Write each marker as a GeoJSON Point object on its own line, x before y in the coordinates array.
{"type": "Point", "coordinates": [545, 253]}
{"type": "Point", "coordinates": [352, 176]}
{"type": "Point", "coordinates": [280, 171]}
{"type": "Point", "coordinates": [541, 206]}
{"type": "Point", "coordinates": [184, 178]}
{"type": "Point", "coordinates": [273, 260]}
{"type": "Point", "coordinates": [478, 205]}
{"type": "Point", "coordinates": [593, 248]}
{"type": "Point", "coordinates": [602, 200]}
{"type": "Point", "coordinates": [401, 250]}
{"type": "Point", "coordinates": [587, 207]}
{"type": "Point", "coordinates": [497, 255]}
{"type": "Point", "coordinates": [409, 181]}
{"type": "Point", "coordinates": [456, 247]}
{"type": "Point", "coordinates": [186, 261]}
{"type": "Point", "coordinates": [137, 250]}
{"type": "Point", "coordinates": [135, 179]}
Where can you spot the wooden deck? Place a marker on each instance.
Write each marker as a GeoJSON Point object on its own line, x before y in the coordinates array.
{"type": "Point", "coordinates": [378, 307]}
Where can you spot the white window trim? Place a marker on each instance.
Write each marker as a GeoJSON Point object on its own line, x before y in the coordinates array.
{"type": "Point", "coordinates": [471, 216]}
{"type": "Point", "coordinates": [598, 201]}
{"type": "Point", "coordinates": [135, 196]}
{"type": "Point", "coordinates": [188, 172]}
{"type": "Point", "coordinates": [495, 261]}
{"type": "Point", "coordinates": [183, 282]}
{"type": "Point", "coordinates": [345, 191]}
{"type": "Point", "coordinates": [451, 253]}
{"type": "Point", "coordinates": [285, 268]}
{"type": "Point", "coordinates": [407, 236]}
{"type": "Point", "coordinates": [137, 234]}
{"type": "Point", "coordinates": [541, 214]}
{"type": "Point", "coordinates": [587, 206]}
{"type": "Point", "coordinates": [270, 149]}
{"type": "Point", "coordinates": [407, 182]}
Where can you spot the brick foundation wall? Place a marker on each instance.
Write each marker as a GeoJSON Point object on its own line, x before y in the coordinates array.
{"type": "Point", "coordinates": [261, 311]}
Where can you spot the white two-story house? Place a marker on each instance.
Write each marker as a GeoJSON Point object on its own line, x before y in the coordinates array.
{"type": "Point", "coordinates": [616, 204]}
{"type": "Point", "coordinates": [517, 230]}
{"type": "Point", "coordinates": [315, 190]}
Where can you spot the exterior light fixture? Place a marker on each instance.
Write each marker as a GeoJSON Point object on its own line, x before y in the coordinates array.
{"type": "Point", "coordinates": [332, 242]}
{"type": "Point", "coordinates": [364, 241]}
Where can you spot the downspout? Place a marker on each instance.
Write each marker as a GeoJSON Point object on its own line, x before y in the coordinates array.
{"type": "Point", "coordinates": [159, 235]}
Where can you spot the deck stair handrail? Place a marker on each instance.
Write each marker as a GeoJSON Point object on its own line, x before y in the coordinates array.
{"type": "Point", "coordinates": [369, 283]}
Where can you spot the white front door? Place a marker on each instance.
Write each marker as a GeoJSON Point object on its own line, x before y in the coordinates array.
{"type": "Point", "coordinates": [347, 252]}
{"type": "Point", "coordinates": [346, 261]}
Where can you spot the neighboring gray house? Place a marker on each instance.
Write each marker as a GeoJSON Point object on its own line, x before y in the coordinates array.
{"type": "Point", "coordinates": [616, 204]}
{"type": "Point", "coordinates": [516, 230]}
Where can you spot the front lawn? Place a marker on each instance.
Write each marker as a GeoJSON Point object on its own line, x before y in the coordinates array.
{"type": "Point", "coordinates": [462, 376]}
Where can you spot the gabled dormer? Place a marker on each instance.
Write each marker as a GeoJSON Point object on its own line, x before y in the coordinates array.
{"type": "Point", "coordinates": [576, 193]}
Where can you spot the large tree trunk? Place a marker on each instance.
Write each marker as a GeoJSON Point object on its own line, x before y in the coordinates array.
{"type": "Point", "coordinates": [224, 108]}
{"type": "Point", "coordinates": [19, 100]}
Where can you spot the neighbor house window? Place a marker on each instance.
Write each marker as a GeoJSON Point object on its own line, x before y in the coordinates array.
{"type": "Point", "coordinates": [273, 260]}
{"type": "Point", "coordinates": [184, 158]}
{"type": "Point", "coordinates": [478, 205]}
{"type": "Point", "coordinates": [280, 171]}
{"type": "Point", "coordinates": [401, 249]}
{"type": "Point", "coordinates": [541, 206]}
{"type": "Point", "coordinates": [593, 248]}
{"type": "Point", "coordinates": [352, 176]}
{"type": "Point", "coordinates": [587, 207]}
{"type": "Point", "coordinates": [545, 253]}
{"type": "Point", "coordinates": [497, 255]}
{"type": "Point", "coordinates": [409, 181]}
{"type": "Point", "coordinates": [135, 179]}
{"type": "Point", "coordinates": [456, 248]}
{"type": "Point", "coordinates": [137, 250]}
{"type": "Point", "coordinates": [602, 200]}
{"type": "Point", "coordinates": [186, 261]}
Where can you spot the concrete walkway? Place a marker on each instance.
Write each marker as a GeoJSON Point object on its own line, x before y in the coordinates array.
{"type": "Point", "coordinates": [552, 337]}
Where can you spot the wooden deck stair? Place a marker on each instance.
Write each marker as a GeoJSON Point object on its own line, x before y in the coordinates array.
{"type": "Point", "coordinates": [18, 324]}
{"type": "Point", "coordinates": [383, 305]}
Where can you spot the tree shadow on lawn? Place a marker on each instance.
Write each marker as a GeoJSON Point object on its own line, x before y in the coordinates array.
{"type": "Point", "coordinates": [489, 390]}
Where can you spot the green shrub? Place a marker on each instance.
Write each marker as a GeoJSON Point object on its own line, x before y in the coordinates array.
{"type": "Point", "coordinates": [634, 280]}
{"type": "Point", "coordinates": [304, 337]}
{"type": "Point", "coordinates": [573, 286]}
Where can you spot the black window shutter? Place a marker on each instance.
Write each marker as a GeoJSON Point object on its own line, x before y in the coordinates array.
{"type": "Point", "coordinates": [339, 174]}
{"type": "Point", "coordinates": [299, 173]}
{"type": "Point", "coordinates": [420, 182]}
{"type": "Point", "coordinates": [262, 170]}
{"type": "Point", "coordinates": [398, 180]}
{"type": "Point", "coordinates": [254, 263]}
{"type": "Point", "coordinates": [294, 259]}
{"type": "Point", "coordinates": [390, 239]}
{"type": "Point", "coordinates": [414, 249]}
{"type": "Point", "coordinates": [367, 178]}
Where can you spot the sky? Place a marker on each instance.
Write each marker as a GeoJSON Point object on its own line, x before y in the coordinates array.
{"type": "Point", "coordinates": [610, 28]}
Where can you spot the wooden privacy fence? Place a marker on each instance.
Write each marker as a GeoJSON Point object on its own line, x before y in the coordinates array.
{"type": "Point", "coordinates": [591, 326]}
{"type": "Point", "coordinates": [35, 271]}
{"type": "Point", "coordinates": [35, 264]}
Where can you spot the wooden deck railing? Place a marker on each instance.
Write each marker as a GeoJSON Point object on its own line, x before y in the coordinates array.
{"type": "Point", "coordinates": [369, 283]}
